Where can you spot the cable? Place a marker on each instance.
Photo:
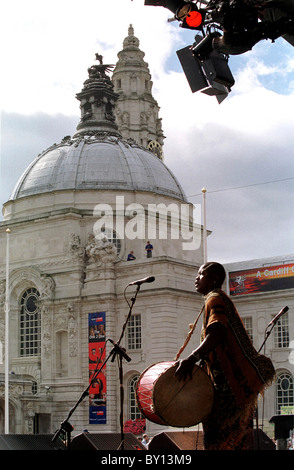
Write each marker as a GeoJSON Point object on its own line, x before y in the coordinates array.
{"type": "Point", "coordinates": [242, 187]}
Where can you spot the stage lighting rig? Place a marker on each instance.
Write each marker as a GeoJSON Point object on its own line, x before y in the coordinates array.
{"type": "Point", "coordinates": [206, 70]}
{"type": "Point", "coordinates": [187, 13]}
{"type": "Point", "coordinates": [229, 27]}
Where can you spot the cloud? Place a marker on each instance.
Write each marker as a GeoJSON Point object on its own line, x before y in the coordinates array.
{"type": "Point", "coordinates": [246, 144]}
{"type": "Point", "coordinates": [23, 138]}
{"type": "Point", "coordinates": [51, 45]}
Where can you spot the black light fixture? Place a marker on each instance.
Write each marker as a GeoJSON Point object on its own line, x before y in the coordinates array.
{"type": "Point", "coordinates": [186, 12]}
{"type": "Point", "coordinates": [206, 70]}
{"type": "Point", "coordinates": [172, 5]}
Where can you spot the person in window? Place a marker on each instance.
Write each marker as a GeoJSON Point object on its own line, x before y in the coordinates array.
{"type": "Point", "coordinates": [237, 371]}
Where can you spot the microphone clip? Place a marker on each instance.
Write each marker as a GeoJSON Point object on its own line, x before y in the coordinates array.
{"type": "Point", "coordinates": [118, 350]}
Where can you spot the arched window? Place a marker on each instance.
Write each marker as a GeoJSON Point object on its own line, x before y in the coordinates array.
{"type": "Point", "coordinates": [284, 393]}
{"type": "Point", "coordinates": [134, 412]}
{"type": "Point", "coordinates": [30, 324]}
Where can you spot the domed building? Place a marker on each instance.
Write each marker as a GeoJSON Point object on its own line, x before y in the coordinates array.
{"type": "Point", "coordinates": [74, 216]}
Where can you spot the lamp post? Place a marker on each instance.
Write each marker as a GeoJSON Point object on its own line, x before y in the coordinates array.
{"type": "Point", "coordinates": [7, 304]}
{"type": "Point", "coordinates": [204, 227]}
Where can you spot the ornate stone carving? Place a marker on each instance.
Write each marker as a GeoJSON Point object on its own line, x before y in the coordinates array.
{"type": "Point", "coordinates": [76, 251]}
{"type": "Point", "coordinates": [29, 413]}
{"type": "Point", "coordinates": [2, 292]}
{"type": "Point", "coordinates": [46, 329]}
{"type": "Point", "coordinates": [100, 250]}
{"type": "Point", "coordinates": [47, 287]}
{"type": "Point", "coordinates": [72, 334]}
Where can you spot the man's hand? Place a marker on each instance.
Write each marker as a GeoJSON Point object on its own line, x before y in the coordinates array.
{"type": "Point", "coordinates": [185, 367]}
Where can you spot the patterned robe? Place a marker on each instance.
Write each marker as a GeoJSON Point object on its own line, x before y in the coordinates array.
{"type": "Point", "coordinates": [238, 373]}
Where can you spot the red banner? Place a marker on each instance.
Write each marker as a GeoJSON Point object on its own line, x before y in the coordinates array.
{"type": "Point", "coordinates": [97, 392]}
{"type": "Point", "coordinates": [262, 279]}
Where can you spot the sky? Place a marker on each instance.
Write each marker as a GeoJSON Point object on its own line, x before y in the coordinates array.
{"type": "Point", "coordinates": [241, 150]}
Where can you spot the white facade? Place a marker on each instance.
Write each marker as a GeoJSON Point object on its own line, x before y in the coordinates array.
{"type": "Point", "coordinates": [58, 266]}
{"type": "Point", "coordinates": [257, 310]}
{"type": "Point", "coordinates": [60, 273]}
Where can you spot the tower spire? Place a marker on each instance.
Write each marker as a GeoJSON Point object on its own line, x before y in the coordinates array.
{"type": "Point", "coordinates": [137, 112]}
{"type": "Point", "coordinates": [97, 100]}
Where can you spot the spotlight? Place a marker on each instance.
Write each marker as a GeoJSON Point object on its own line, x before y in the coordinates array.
{"type": "Point", "coordinates": [207, 71]}
{"type": "Point", "coordinates": [190, 16]}
{"type": "Point", "coordinates": [186, 12]}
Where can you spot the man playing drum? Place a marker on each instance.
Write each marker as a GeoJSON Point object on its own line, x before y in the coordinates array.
{"type": "Point", "coordinates": [237, 371]}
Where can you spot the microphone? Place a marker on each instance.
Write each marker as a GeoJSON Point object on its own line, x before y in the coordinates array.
{"type": "Point", "coordinates": [275, 319]}
{"type": "Point", "coordinates": [118, 350]}
{"type": "Point", "coordinates": [141, 281]}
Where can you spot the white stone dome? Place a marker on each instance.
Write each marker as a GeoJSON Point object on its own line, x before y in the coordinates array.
{"type": "Point", "coordinates": [97, 161]}
{"type": "Point", "coordinates": [97, 157]}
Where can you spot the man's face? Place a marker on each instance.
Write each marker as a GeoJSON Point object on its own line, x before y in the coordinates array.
{"type": "Point", "coordinates": [203, 282]}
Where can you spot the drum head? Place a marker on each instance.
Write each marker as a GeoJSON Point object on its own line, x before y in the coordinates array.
{"type": "Point", "coordinates": [183, 403]}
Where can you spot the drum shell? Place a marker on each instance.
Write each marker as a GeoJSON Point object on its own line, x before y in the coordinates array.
{"type": "Point", "coordinates": [165, 400]}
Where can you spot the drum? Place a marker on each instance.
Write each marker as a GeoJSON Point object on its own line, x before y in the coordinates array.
{"type": "Point", "coordinates": [163, 399]}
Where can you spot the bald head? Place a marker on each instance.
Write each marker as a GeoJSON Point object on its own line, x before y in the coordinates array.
{"type": "Point", "coordinates": [216, 271]}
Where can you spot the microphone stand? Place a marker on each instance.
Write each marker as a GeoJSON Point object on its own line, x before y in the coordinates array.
{"type": "Point", "coordinates": [65, 427]}
{"type": "Point", "coordinates": [272, 324]}
{"type": "Point", "coordinates": [122, 354]}
{"type": "Point", "coordinates": [267, 333]}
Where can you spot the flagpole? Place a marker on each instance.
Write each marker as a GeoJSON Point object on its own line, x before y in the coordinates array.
{"type": "Point", "coordinates": [7, 302]}
{"type": "Point", "coordinates": [204, 227]}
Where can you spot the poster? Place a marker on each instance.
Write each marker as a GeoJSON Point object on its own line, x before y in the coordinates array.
{"type": "Point", "coordinates": [96, 345]}
{"type": "Point", "coordinates": [262, 279]}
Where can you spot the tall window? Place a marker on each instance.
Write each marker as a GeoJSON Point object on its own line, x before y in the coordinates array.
{"type": "Point", "coordinates": [134, 332]}
{"type": "Point", "coordinates": [247, 321]}
{"type": "Point", "coordinates": [284, 393]}
{"type": "Point", "coordinates": [134, 412]}
{"type": "Point", "coordinates": [112, 237]}
{"type": "Point", "coordinates": [30, 324]}
{"type": "Point", "coordinates": [281, 332]}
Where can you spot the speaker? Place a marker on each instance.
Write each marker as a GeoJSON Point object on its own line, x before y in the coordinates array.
{"type": "Point", "coordinates": [262, 441]}
{"type": "Point", "coordinates": [105, 441]}
{"type": "Point", "coordinates": [283, 425]}
{"type": "Point", "coordinates": [185, 440]}
{"type": "Point", "coordinates": [193, 440]}
{"type": "Point", "coordinates": [29, 442]}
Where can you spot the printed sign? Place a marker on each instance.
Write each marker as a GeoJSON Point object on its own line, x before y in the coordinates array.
{"type": "Point", "coordinates": [97, 391]}
{"type": "Point", "coordinates": [264, 279]}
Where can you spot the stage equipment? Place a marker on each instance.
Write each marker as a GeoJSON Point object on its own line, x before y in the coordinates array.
{"type": "Point", "coordinates": [271, 325]}
{"type": "Point", "coordinates": [206, 70]}
{"type": "Point", "coordinates": [236, 25]}
{"type": "Point", "coordinates": [283, 425]}
{"type": "Point", "coordinates": [29, 442]}
{"type": "Point", "coordinates": [193, 440]}
{"type": "Point", "coordinates": [105, 441]}
{"type": "Point", "coordinates": [66, 428]}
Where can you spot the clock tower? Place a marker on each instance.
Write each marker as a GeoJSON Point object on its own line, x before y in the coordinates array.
{"type": "Point", "coordinates": [137, 112]}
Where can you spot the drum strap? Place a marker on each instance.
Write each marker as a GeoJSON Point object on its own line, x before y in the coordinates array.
{"type": "Point", "coordinates": [192, 327]}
